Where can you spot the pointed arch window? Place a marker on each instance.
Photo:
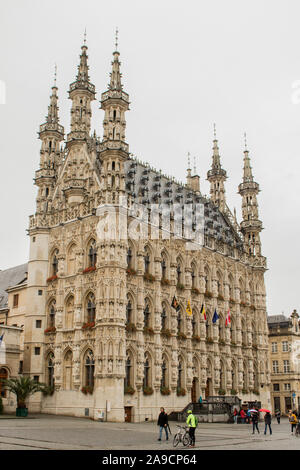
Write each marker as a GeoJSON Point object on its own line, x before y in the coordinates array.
{"type": "Point", "coordinates": [194, 276]}
{"type": "Point", "coordinates": [164, 382]}
{"type": "Point", "coordinates": [68, 371]}
{"type": "Point", "coordinates": [128, 367]}
{"type": "Point", "coordinates": [92, 254]}
{"type": "Point", "coordinates": [52, 314]}
{"type": "Point", "coordinates": [179, 377]}
{"type": "Point", "coordinates": [179, 322]}
{"type": "Point", "coordinates": [129, 258]}
{"type": "Point", "coordinates": [147, 315]}
{"type": "Point", "coordinates": [55, 263]}
{"type": "Point", "coordinates": [50, 370]}
{"type": "Point", "coordinates": [164, 318]}
{"type": "Point", "coordinates": [146, 381]}
{"type": "Point", "coordinates": [147, 263]}
{"type": "Point", "coordinates": [89, 369]}
{"type": "Point", "coordinates": [163, 269]}
{"type": "Point", "coordinates": [91, 308]}
{"type": "Point", "coordinates": [128, 312]}
{"type": "Point", "coordinates": [194, 325]}
{"type": "Point", "coordinates": [179, 274]}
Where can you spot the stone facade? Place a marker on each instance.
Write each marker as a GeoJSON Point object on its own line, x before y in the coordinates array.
{"type": "Point", "coordinates": [111, 340]}
{"type": "Point", "coordinates": [284, 348]}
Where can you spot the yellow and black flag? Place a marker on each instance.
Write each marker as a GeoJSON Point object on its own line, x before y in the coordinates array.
{"type": "Point", "coordinates": [189, 308]}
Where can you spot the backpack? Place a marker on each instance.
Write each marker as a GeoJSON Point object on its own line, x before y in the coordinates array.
{"type": "Point", "coordinates": [196, 421]}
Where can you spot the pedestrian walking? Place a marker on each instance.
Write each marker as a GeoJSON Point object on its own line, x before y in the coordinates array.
{"type": "Point", "coordinates": [278, 415]}
{"type": "Point", "coordinates": [235, 415]}
{"type": "Point", "coordinates": [268, 419]}
{"type": "Point", "coordinates": [163, 423]}
{"type": "Point", "coordinates": [192, 424]}
{"type": "Point", "coordinates": [243, 415]}
{"type": "Point", "coordinates": [293, 420]}
{"type": "Point", "coordinates": [255, 422]}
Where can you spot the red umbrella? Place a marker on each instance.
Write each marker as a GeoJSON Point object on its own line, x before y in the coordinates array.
{"type": "Point", "coordinates": [265, 411]}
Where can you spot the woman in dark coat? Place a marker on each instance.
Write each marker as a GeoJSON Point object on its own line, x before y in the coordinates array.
{"type": "Point", "coordinates": [268, 419]}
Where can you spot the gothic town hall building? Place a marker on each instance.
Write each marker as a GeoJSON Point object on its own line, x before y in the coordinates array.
{"type": "Point", "coordinates": [106, 322]}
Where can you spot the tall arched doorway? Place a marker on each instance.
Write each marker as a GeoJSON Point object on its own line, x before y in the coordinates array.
{"type": "Point", "coordinates": [208, 391]}
{"type": "Point", "coordinates": [194, 390]}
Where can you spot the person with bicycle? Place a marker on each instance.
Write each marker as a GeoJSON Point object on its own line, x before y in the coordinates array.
{"type": "Point", "coordinates": [192, 424]}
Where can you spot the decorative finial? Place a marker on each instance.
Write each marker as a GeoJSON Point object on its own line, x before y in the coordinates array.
{"type": "Point", "coordinates": [84, 37]}
{"type": "Point", "coordinates": [195, 166]}
{"type": "Point", "coordinates": [189, 160]}
{"type": "Point", "coordinates": [116, 43]}
{"type": "Point", "coordinates": [55, 74]}
{"type": "Point", "coordinates": [215, 132]}
{"type": "Point", "coordinates": [245, 140]}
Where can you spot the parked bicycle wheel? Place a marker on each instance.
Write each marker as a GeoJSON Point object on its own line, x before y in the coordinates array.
{"type": "Point", "coordinates": [186, 440]}
{"type": "Point", "coordinates": [176, 440]}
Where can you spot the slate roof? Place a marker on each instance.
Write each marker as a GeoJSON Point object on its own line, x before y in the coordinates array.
{"type": "Point", "coordinates": [9, 278]}
{"type": "Point", "coordinates": [148, 186]}
{"type": "Point", "coordinates": [277, 319]}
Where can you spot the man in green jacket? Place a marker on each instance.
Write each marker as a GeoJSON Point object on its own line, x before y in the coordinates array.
{"type": "Point", "coordinates": [192, 424]}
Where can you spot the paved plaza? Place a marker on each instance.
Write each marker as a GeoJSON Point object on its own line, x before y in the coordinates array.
{"type": "Point", "coordinates": [48, 432]}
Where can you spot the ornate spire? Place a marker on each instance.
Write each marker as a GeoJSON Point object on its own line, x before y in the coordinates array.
{"type": "Point", "coordinates": [251, 226]}
{"type": "Point", "coordinates": [81, 92]}
{"type": "Point", "coordinates": [115, 76]}
{"type": "Point", "coordinates": [52, 118]}
{"type": "Point", "coordinates": [52, 115]}
{"type": "Point", "coordinates": [247, 176]}
{"type": "Point", "coordinates": [216, 160]}
{"type": "Point", "coordinates": [217, 176]}
{"type": "Point", "coordinates": [115, 102]}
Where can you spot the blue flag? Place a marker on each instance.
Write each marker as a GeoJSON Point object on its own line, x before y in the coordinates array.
{"type": "Point", "coordinates": [1, 338]}
{"type": "Point", "coordinates": [215, 317]}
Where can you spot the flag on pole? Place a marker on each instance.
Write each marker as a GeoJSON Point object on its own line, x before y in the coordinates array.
{"type": "Point", "coordinates": [189, 308]}
{"type": "Point", "coordinates": [215, 317]}
{"type": "Point", "coordinates": [175, 304]}
{"type": "Point", "coordinates": [203, 311]}
{"type": "Point", "coordinates": [228, 319]}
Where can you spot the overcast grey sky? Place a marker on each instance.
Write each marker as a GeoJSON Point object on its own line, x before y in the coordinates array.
{"type": "Point", "coordinates": [185, 64]}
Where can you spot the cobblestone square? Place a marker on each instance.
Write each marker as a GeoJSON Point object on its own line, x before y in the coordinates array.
{"type": "Point", "coordinates": [47, 432]}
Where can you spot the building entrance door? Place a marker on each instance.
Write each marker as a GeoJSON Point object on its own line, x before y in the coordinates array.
{"type": "Point", "coordinates": [194, 390]}
{"type": "Point", "coordinates": [127, 411]}
{"type": "Point", "coordinates": [208, 388]}
{"type": "Point", "coordinates": [277, 403]}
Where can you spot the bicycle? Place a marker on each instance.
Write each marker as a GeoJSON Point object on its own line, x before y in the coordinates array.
{"type": "Point", "coordinates": [182, 435]}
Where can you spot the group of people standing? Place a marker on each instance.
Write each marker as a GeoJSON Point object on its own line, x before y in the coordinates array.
{"type": "Point", "coordinates": [249, 416]}
{"type": "Point", "coordinates": [252, 416]}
